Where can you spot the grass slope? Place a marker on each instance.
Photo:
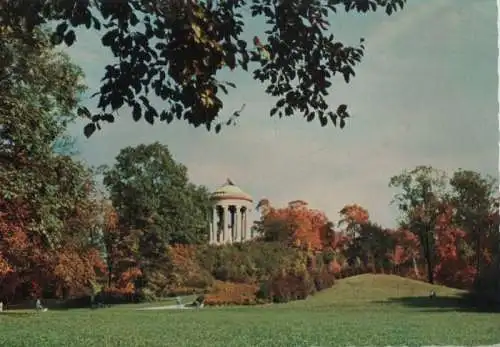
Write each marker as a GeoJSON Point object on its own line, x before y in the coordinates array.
{"type": "Point", "coordinates": [362, 310]}
{"type": "Point", "coordinates": [368, 288]}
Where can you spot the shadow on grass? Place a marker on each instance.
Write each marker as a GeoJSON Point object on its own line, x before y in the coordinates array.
{"type": "Point", "coordinates": [463, 303]}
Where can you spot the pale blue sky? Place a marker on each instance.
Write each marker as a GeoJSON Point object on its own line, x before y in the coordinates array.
{"type": "Point", "coordinates": [425, 94]}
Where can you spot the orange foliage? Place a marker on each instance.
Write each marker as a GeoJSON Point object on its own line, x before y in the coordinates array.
{"type": "Point", "coordinates": [21, 256]}
{"type": "Point", "coordinates": [452, 269]}
{"type": "Point", "coordinates": [25, 258]}
{"type": "Point", "coordinates": [227, 293]}
{"type": "Point", "coordinates": [306, 224]}
{"type": "Point", "coordinates": [334, 267]}
{"type": "Point", "coordinates": [407, 246]}
{"type": "Point", "coordinates": [354, 214]}
{"type": "Point", "coordinates": [75, 269]}
{"type": "Point", "coordinates": [121, 243]}
{"type": "Point", "coordinates": [111, 220]}
{"type": "Point", "coordinates": [180, 254]}
{"type": "Point", "coordinates": [186, 274]}
{"type": "Point", "coordinates": [125, 283]}
{"type": "Point", "coordinates": [183, 261]}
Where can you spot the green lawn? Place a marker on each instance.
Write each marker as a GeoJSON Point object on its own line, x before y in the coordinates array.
{"type": "Point", "coordinates": [364, 311]}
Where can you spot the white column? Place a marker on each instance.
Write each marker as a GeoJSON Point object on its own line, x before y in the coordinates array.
{"type": "Point", "coordinates": [214, 230]}
{"type": "Point", "coordinates": [225, 235]}
{"type": "Point", "coordinates": [237, 224]}
{"type": "Point", "coordinates": [230, 226]}
{"type": "Point", "coordinates": [210, 232]}
{"type": "Point", "coordinates": [242, 225]}
{"type": "Point", "coordinates": [247, 232]}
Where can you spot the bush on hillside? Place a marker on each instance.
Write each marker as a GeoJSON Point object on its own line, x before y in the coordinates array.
{"type": "Point", "coordinates": [323, 279]}
{"type": "Point", "coordinates": [187, 275]}
{"type": "Point", "coordinates": [250, 262]}
{"type": "Point", "coordinates": [286, 287]}
{"type": "Point", "coordinates": [146, 295]}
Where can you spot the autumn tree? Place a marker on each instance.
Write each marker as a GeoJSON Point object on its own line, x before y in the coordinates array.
{"type": "Point", "coordinates": [452, 266]}
{"type": "Point", "coordinates": [122, 251]}
{"type": "Point", "coordinates": [353, 217]}
{"type": "Point", "coordinates": [368, 245]}
{"type": "Point", "coordinates": [405, 253]}
{"type": "Point", "coordinates": [421, 197]}
{"type": "Point", "coordinates": [156, 206]}
{"type": "Point", "coordinates": [295, 225]}
{"type": "Point", "coordinates": [473, 197]}
{"type": "Point", "coordinates": [475, 200]}
{"type": "Point", "coordinates": [176, 50]}
{"type": "Point", "coordinates": [46, 195]}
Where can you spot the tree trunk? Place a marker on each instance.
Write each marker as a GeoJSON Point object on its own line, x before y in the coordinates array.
{"type": "Point", "coordinates": [478, 250]}
{"type": "Point", "coordinates": [428, 259]}
{"type": "Point", "coordinates": [415, 267]}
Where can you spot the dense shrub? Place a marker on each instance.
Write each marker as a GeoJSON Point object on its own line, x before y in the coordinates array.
{"type": "Point", "coordinates": [250, 262]}
{"type": "Point", "coordinates": [187, 275]}
{"type": "Point", "coordinates": [232, 274]}
{"type": "Point", "coordinates": [227, 293]}
{"type": "Point", "coordinates": [113, 296]}
{"type": "Point", "coordinates": [145, 295]}
{"type": "Point", "coordinates": [286, 287]}
{"type": "Point", "coordinates": [77, 302]}
{"type": "Point", "coordinates": [323, 279]}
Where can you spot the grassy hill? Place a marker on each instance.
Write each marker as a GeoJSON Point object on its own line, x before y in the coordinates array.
{"type": "Point", "coordinates": [369, 288]}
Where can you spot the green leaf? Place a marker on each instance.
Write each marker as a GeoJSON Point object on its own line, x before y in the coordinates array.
{"type": "Point", "coordinates": [61, 28]}
{"type": "Point", "coordinates": [333, 118]}
{"type": "Point", "coordinates": [69, 38]}
{"type": "Point", "coordinates": [388, 9]}
{"type": "Point", "coordinates": [89, 129]}
{"type": "Point", "coordinates": [166, 116]}
{"type": "Point", "coordinates": [133, 19]}
{"type": "Point", "coordinates": [149, 116]}
{"type": "Point", "coordinates": [323, 121]}
{"type": "Point", "coordinates": [108, 118]}
{"type": "Point", "coordinates": [116, 101]}
{"type": "Point", "coordinates": [341, 109]}
{"type": "Point", "coordinates": [84, 112]}
{"type": "Point", "coordinates": [109, 37]}
{"type": "Point", "coordinates": [137, 112]}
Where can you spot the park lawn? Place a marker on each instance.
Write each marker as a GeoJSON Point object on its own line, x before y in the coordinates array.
{"type": "Point", "coordinates": [367, 310]}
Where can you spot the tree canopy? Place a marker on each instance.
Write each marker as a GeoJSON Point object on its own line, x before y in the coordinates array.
{"type": "Point", "coordinates": [46, 201]}
{"type": "Point", "coordinates": [149, 189]}
{"type": "Point", "coordinates": [442, 210]}
{"type": "Point", "coordinates": [175, 50]}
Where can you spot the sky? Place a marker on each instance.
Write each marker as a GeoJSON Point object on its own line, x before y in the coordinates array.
{"type": "Point", "coordinates": [426, 93]}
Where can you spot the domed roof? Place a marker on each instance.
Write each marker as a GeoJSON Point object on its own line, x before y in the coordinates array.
{"type": "Point", "coordinates": [230, 191]}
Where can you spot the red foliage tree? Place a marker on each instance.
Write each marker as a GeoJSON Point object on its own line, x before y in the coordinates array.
{"type": "Point", "coordinates": [300, 225]}
{"type": "Point", "coordinates": [121, 247]}
{"type": "Point", "coordinates": [354, 214]}
{"type": "Point", "coordinates": [405, 252]}
{"type": "Point", "coordinates": [23, 259]}
{"type": "Point", "coordinates": [28, 263]}
{"type": "Point", "coordinates": [452, 268]}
